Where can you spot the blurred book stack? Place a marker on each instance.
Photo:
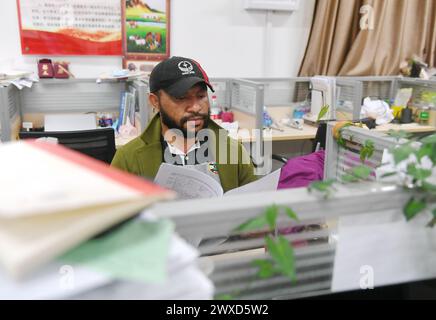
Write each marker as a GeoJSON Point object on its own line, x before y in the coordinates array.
{"type": "Point", "coordinates": [68, 229]}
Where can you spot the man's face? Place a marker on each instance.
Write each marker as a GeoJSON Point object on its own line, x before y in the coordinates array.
{"type": "Point", "coordinates": [190, 112]}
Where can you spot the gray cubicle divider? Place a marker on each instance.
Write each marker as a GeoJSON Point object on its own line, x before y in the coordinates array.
{"type": "Point", "coordinates": [377, 87]}
{"type": "Point", "coordinates": [348, 98]}
{"type": "Point", "coordinates": [284, 91]}
{"type": "Point", "coordinates": [211, 224]}
{"type": "Point", "coordinates": [247, 96]}
{"type": "Point", "coordinates": [418, 86]}
{"type": "Point", "coordinates": [9, 110]}
{"type": "Point", "coordinates": [145, 112]}
{"type": "Point", "coordinates": [68, 96]}
{"type": "Point", "coordinates": [339, 160]}
{"type": "Point", "coordinates": [222, 91]}
{"type": "Point", "coordinates": [72, 95]}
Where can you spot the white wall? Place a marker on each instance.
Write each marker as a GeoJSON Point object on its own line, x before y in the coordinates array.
{"type": "Point", "coordinates": [226, 39]}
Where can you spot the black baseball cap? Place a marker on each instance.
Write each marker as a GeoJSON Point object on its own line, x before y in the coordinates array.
{"type": "Point", "coordinates": [176, 75]}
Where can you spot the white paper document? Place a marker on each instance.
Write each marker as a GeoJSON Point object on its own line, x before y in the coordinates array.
{"type": "Point", "coordinates": [266, 183]}
{"type": "Point", "coordinates": [188, 183]}
{"type": "Point", "coordinates": [192, 184]}
{"type": "Point", "coordinates": [383, 249]}
{"type": "Point", "coordinates": [58, 281]}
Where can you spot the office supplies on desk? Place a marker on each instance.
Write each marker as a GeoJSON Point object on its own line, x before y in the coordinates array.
{"type": "Point", "coordinates": [53, 198]}
{"type": "Point", "coordinates": [323, 94]}
{"type": "Point", "coordinates": [293, 123]}
{"type": "Point", "coordinates": [70, 122]}
{"type": "Point", "coordinates": [406, 115]}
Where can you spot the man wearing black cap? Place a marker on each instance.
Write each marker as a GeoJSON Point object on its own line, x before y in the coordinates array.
{"type": "Point", "coordinates": [181, 133]}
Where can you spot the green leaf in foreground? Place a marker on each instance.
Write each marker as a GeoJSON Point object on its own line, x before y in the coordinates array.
{"type": "Point", "coordinates": [291, 213]}
{"type": "Point", "coordinates": [361, 172]}
{"type": "Point", "coordinates": [323, 112]}
{"type": "Point", "coordinates": [417, 173]}
{"type": "Point", "coordinates": [429, 187]}
{"type": "Point", "coordinates": [283, 255]}
{"type": "Point", "coordinates": [271, 214]}
{"type": "Point", "coordinates": [321, 185]}
{"type": "Point", "coordinates": [367, 150]}
{"type": "Point", "coordinates": [402, 152]}
{"type": "Point", "coordinates": [425, 150]}
{"type": "Point", "coordinates": [431, 139]}
{"type": "Point", "coordinates": [325, 187]}
{"type": "Point", "coordinates": [413, 207]}
{"type": "Point", "coordinates": [348, 178]}
{"type": "Point", "coordinates": [398, 134]}
{"type": "Point", "coordinates": [253, 224]}
{"type": "Point", "coordinates": [266, 268]}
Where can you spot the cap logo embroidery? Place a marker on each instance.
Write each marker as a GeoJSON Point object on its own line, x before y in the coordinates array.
{"type": "Point", "coordinates": [186, 67]}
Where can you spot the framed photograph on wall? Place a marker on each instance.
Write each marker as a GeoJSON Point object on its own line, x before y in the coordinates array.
{"type": "Point", "coordinates": [146, 30]}
{"type": "Point", "coordinates": [70, 27]}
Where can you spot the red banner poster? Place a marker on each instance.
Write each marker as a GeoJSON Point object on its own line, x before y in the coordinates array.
{"type": "Point", "coordinates": [70, 27]}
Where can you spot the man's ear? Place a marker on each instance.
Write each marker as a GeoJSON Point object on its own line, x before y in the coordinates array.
{"type": "Point", "coordinates": [153, 100]}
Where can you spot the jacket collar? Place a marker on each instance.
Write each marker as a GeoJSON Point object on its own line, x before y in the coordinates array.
{"type": "Point", "coordinates": [152, 134]}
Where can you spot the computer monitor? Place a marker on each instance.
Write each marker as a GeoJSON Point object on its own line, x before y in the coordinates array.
{"type": "Point", "coordinates": [98, 143]}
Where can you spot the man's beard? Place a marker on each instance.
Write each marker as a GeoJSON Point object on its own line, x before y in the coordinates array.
{"type": "Point", "coordinates": [172, 124]}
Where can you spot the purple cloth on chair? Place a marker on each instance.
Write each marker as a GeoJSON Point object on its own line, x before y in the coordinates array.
{"type": "Point", "coordinates": [301, 171]}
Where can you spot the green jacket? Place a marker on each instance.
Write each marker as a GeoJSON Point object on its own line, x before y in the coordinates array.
{"type": "Point", "coordinates": [143, 156]}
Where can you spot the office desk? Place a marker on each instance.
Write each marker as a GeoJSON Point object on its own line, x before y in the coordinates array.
{"type": "Point", "coordinates": [277, 113]}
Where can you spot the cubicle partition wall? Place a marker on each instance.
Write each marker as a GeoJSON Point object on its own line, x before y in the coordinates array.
{"type": "Point", "coordinates": [247, 97]}
{"type": "Point", "coordinates": [145, 112]}
{"type": "Point", "coordinates": [10, 117]}
{"type": "Point", "coordinates": [67, 96]}
{"type": "Point", "coordinates": [340, 159]}
{"type": "Point", "coordinates": [378, 87]}
{"type": "Point", "coordinates": [348, 99]}
{"type": "Point", "coordinates": [284, 91]}
{"type": "Point", "coordinates": [245, 101]}
{"type": "Point", "coordinates": [222, 91]}
{"type": "Point", "coordinates": [419, 87]}
{"type": "Point", "coordinates": [228, 255]}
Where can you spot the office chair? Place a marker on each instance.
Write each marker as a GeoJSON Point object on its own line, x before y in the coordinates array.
{"type": "Point", "coordinates": [96, 143]}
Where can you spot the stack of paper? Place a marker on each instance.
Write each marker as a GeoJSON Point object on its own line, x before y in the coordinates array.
{"type": "Point", "coordinates": [184, 280]}
{"type": "Point", "coordinates": [19, 79]}
{"type": "Point", "coordinates": [53, 199]}
{"type": "Point", "coordinates": [139, 260]}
